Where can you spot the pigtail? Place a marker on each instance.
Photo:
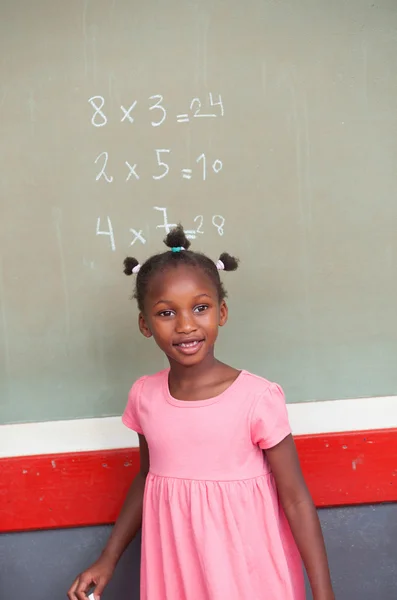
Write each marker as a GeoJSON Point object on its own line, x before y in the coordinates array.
{"type": "Point", "coordinates": [227, 262]}
{"type": "Point", "coordinates": [178, 244]}
{"type": "Point", "coordinates": [131, 266]}
{"type": "Point", "coordinates": [176, 238]}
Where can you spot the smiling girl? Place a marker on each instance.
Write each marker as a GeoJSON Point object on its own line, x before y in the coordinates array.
{"type": "Point", "coordinates": [226, 512]}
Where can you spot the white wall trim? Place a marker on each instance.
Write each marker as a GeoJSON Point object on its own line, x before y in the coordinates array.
{"type": "Point", "coordinates": [53, 437]}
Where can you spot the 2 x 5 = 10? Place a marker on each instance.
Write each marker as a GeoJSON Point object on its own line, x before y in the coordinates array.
{"type": "Point", "coordinates": [164, 168]}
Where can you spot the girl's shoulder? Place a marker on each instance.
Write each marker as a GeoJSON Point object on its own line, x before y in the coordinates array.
{"type": "Point", "coordinates": [259, 385]}
{"type": "Point", "coordinates": [269, 415]}
{"type": "Point", "coordinates": [150, 382]}
{"type": "Point", "coordinates": [142, 390]}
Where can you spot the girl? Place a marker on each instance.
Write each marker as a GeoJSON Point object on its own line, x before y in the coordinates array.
{"type": "Point", "coordinates": [226, 512]}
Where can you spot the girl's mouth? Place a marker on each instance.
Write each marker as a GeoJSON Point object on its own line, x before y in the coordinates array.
{"type": "Point", "coordinates": [189, 347]}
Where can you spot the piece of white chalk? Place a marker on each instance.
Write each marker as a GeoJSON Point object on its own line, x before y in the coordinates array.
{"type": "Point", "coordinates": [91, 596]}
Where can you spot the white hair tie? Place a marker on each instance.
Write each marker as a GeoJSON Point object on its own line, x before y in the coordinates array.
{"type": "Point", "coordinates": [136, 269]}
{"type": "Point", "coordinates": [219, 265]}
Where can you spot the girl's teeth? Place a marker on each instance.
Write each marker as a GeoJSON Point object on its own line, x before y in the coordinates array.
{"type": "Point", "coordinates": [189, 345]}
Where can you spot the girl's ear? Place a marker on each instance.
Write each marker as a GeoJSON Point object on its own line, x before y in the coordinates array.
{"type": "Point", "coordinates": [223, 314]}
{"type": "Point", "coordinates": [143, 327]}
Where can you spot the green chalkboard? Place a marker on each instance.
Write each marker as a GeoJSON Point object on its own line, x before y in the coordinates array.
{"type": "Point", "coordinates": [268, 128]}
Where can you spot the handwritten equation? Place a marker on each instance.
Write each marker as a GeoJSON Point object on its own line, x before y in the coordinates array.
{"type": "Point", "coordinates": [162, 167]}
{"type": "Point", "coordinates": [137, 235]}
{"type": "Point", "coordinates": [210, 109]}
{"type": "Point", "coordinates": [161, 163]}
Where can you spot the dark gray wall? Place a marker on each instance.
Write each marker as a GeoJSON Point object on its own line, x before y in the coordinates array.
{"type": "Point", "coordinates": [361, 542]}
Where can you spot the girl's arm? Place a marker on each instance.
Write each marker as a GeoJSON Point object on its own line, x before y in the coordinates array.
{"type": "Point", "coordinates": [130, 517]}
{"type": "Point", "coordinates": [124, 530]}
{"type": "Point", "coordinates": [302, 516]}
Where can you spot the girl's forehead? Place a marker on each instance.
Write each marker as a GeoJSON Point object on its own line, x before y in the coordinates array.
{"type": "Point", "coordinates": [182, 276]}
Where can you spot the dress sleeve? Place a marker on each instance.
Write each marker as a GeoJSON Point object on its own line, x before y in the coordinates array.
{"type": "Point", "coordinates": [269, 422]}
{"type": "Point", "coordinates": [131, 416]}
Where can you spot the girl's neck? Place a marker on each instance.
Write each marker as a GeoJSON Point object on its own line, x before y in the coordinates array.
{"type": "Point", "coordinates": [182, 376]}
{"type": "Point", "coordinates": [202, 381]}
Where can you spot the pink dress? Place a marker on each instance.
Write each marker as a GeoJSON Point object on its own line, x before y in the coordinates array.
{"type": "Point", "coordinates": [213, 528]}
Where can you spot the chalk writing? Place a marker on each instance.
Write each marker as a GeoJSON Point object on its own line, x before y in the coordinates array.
{"type": "Point", "coordinates": [220, 225]}
{"type": "Point", "coordinates": [218, 222]}
{"type": "Point", "coordinates": [219, 103]}
{"type": "Point", "coordinates": [216, 166]}
{"type": "Point", "coordinates": [200, 219]}
{"type": "Point", "coordinates": [162, 164]}
{"type": "Point", "coordinates": [191, 234]}
{"type": "Point", "coordinates": [109, 232]}
{"type": "Point", "coordinates": [98, 111]}
{"type": "Point", "coordinates": [186, 173]}
{"type": "Point", "coordinates": [102, 172]}
{"type": "Point", "coordinates": [211, 108]}
{"type": "Point", "coordinates": [196, 102]}
{"type": "Point", "coordinates": [160, 107]}
{"type": "Point", "coordinates": [196, 106]}
{"type": "Point", "coordinates": [137, 236]}
{"type": "Point", "coordinates": [163, 168]}
{"type": "Point", "coordinates": [166, 226]}
{"type": "Point", "coordinates": [202, 157]}
{"type": "Point", "coordinates": [127, 113]}
{"type": "Point", "coordinates": [203, 167]}
{"type": "Point", "coordinates": [132, 171]}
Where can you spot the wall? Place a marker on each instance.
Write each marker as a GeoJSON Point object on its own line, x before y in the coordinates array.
{"type": "Point", "coordinates": [361, 542]}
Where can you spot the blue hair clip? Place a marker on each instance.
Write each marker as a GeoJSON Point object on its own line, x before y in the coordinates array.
{"type": "Point", "coordinates": [177, 249]}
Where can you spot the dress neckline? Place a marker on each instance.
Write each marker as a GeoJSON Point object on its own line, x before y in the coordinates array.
{"type": "Point", "coordinates": [198, 403]}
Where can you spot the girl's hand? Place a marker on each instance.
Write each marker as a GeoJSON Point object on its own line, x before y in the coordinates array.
{"type": "Point", "coordinates": [127, 525]}
{"type": "Point", "coordinates": [98, 575]}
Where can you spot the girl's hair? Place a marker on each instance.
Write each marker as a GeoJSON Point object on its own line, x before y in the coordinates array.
{"type": "Point", "coordinates": [179, 254]}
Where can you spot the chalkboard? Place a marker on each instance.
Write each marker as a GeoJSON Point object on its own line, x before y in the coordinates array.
{"type": "Point", "coordinates": [268, 128]}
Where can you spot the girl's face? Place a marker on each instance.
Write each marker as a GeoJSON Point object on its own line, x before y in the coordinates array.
{"type": "Point", "coordinates": [183, 313]}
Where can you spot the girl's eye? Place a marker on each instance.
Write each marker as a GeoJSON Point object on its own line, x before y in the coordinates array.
{"type": "Point", "coordinates": [201, 308]}
{"type": "Point", "coordinates": [166, 313]}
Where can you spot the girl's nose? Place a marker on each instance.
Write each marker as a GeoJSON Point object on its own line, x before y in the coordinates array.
{"type": "Point", "coordinates": [185, 323]}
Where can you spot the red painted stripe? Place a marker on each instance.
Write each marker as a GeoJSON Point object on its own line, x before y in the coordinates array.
{"type": "Point", "coordinates": [88, 488]}
{"type": "Point", "coordinates": [64, 490]}
{"type": "Point", "coordinates": [350, 468]}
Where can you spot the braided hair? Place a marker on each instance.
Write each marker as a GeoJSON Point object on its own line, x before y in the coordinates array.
{"type": "Point", "coordinates": [179, 254]}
